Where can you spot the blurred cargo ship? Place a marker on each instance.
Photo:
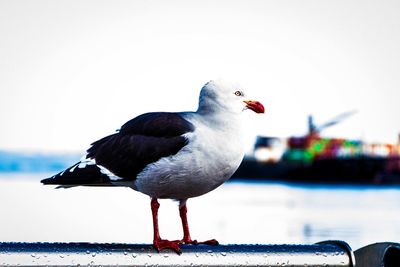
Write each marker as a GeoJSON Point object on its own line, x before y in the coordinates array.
{"type": "Point", "coordinates": [316, 159]}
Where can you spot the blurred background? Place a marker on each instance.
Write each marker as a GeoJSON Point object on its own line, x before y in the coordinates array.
{"type": "Point", "coordinates": [322, 163]}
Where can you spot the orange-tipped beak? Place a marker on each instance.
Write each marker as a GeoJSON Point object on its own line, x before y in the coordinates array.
{"type": "Point", "coordinates": [255, 106]}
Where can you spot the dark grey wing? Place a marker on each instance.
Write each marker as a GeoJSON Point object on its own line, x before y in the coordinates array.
{"type": "Point", "coordinates": [157, 124]}
{"type": "Point", "coordinates": [127, 155]}
{"type": "Point", "coordinates": [141, 141]}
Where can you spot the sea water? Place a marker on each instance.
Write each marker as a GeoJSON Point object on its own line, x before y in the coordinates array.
{"type": "Point", "coordinates": [235, 213]}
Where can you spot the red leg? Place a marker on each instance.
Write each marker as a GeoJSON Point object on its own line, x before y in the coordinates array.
{"type": "Point", "coordinates": [158, 243]}
{"type": "Point", "coordinates": [186, 233]}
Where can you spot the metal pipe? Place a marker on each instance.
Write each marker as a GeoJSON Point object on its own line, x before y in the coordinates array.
{"type": "Point", "coordinates": [385, 254]}
{"type": "Point", "coordinates": [329, 253]}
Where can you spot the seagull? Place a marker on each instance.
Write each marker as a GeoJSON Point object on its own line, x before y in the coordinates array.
{"type": "Point", "coordinates": [168, 155]}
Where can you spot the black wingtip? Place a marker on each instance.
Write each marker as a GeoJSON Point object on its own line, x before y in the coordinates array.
{"type": "Point", "coordinates": [47, 181]}
{"type": "Point", "coordinates": [75, 175]}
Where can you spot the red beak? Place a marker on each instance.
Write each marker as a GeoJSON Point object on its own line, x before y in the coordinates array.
{"type": "Point", "coordinates": [255, 106]}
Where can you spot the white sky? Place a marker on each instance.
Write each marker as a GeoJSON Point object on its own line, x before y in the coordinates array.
{"type": "Point", "coordinates": [74, 71]}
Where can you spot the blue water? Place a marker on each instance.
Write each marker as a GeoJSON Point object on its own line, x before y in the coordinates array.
{"type": "Point", "coordinates": [237, 212]}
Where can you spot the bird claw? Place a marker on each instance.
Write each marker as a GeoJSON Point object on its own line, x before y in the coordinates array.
{"type": "Point", "coordinates": [162, 244]}
{"type": "Point", "coordinates": [211, 242]}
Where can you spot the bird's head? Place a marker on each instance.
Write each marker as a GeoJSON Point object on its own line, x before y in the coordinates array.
{"type": "Point", "coordinates": [220, 95]}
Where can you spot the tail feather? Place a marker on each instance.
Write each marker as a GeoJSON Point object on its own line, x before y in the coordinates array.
{"type": "Point", "coordinates": [81, 173]}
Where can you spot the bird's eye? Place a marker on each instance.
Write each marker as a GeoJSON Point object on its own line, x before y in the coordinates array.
{"type": "Point", "coordinates": [238, 93]}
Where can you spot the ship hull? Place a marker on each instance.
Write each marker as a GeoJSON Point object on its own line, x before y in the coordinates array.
{"type": "Point", "coordinates": [355, 170]}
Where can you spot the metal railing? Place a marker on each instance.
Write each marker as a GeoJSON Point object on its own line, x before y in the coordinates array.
{"type": "Point", "coordinates": [328, 253]}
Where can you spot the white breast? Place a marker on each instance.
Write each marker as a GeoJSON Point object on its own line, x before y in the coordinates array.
{"type": "Point", "coordinates": [213, 154]}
